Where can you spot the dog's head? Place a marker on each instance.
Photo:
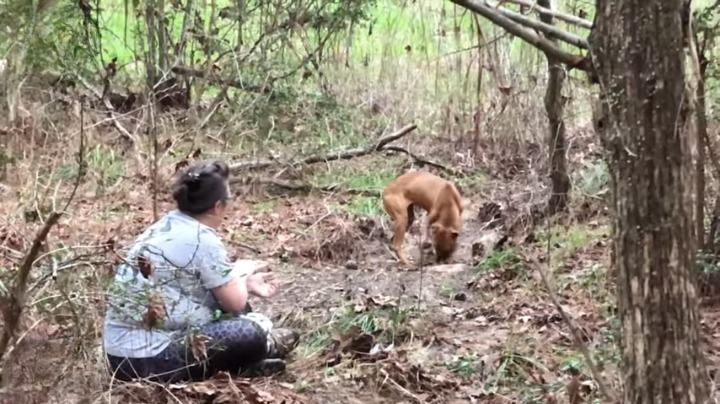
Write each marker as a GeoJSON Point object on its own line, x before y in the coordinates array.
{"type": "Point", "coordinates": [444, 241]}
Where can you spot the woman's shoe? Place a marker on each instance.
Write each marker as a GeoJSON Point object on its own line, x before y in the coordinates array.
{"type": "Point", "coordinates": [265, 367]}
{"type": "Point", "coordinates": [281, 341]}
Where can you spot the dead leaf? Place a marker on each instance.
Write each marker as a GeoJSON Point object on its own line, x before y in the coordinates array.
{"type": "Point", "coordinates": [181, 164]}
{"type": "Point", "coordinates": [505, 90]}
{"type": "Point", "coordinates": [155, 312]}
{"type": "Point", "coordinates": [198, 345]}
{"type": "Point", "coordinates": [144, 266]}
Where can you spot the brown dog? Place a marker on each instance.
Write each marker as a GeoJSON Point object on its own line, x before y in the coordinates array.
{"type": "Point", "coordinates": [435, 195]}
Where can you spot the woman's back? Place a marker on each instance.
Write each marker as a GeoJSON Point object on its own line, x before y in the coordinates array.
{"type": "Point", "coordinates": [186, 259]}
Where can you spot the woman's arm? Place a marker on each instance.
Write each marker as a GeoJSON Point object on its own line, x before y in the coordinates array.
{"type": "Point", "coordinates": [233, 295]}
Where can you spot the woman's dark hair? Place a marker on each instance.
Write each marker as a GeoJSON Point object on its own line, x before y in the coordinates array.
{"type": "Point", "coordinates": [201, 186]}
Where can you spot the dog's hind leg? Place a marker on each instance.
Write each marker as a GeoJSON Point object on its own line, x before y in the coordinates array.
{"type": "Point", "coordinates": [410, 216]}
{"type": "Point", "coordinates": [399, 213]}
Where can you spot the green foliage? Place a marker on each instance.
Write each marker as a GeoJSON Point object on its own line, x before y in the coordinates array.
{"type": "Point", "coordinates": [707, 262]}
{"type": "Point", "coordinates": [593, 178]}
{"type": "Point", "coordinates": [385, 322]}
{"type": "Point", "coordinates": [565, 241]}
{"type": "Point", "coordinates": [465, 365]}
{"type": "Point", "coordinates": [506, 258]}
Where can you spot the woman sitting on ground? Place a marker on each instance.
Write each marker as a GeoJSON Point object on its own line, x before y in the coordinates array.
{"type": "Point", "coordinates": [174, 284]}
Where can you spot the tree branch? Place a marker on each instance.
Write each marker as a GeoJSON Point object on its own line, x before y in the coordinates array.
{"type": "Point", "coordinates": [547, 29]}
{"type": "Point", "coordinates": [581, 22]}
{"type": "Point", "coordinates": [543, 44]}
{"type": "Point", "coordinates": [303, 187]}
{"type": "Point", "coordinates": [340, 155]}
{"type": "Point", "coordinates": [421, 160]}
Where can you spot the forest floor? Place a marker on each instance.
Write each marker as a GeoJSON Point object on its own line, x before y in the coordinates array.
{"type": "Point", "coordinates": [484, 330]}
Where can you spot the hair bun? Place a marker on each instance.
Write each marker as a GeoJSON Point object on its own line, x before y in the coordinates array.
{"type": "Point", "coordinates": [220, 168]}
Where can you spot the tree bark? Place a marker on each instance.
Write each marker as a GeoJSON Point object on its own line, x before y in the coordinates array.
{"type": "Point", "coordinates": [638, 54]}
{"type": "Point", "coordinates": [555, 109]}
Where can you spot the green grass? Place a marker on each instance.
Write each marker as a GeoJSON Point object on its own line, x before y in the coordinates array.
{"type": "Point", "coordinates": [465, 365]}
{"type": "Point", "coordinates": [565, 241]}
{"type": "Point", "coordinates": [504, 258]}
{"type": "Point", "coordinates": [386, 323]}
{"type": "Point", "coordinates": [263, 207]}
{"type": "Point", "coordinates": [359, 180]}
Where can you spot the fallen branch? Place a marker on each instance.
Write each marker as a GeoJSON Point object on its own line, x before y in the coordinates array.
{"type": "Point", "coordinates": [302, 187]}
{"type": "Point", "coordinates": [547, 29]}
{"type": "Point", "coordinates": [421, 160]}
{"type": "Point", "coordinates": [541, 43]}
{"type": "Point", "coordinates": [255, 88]}
{"type": "Point", "coordinates": [111, 111]}
{"type": "Point", "coordinates": [340, 155]}
{"type": "Point", "coordinates": [581, 22]}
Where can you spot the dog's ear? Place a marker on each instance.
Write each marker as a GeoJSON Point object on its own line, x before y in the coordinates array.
{"type": "Point", "coordinates": [454, 234]}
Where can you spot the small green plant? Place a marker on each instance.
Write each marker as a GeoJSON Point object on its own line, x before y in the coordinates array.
{"type": "Point", "coordinates": [594, 178]}
{"type": "Point", "coordinates": [573, 361]}
{"type": "Point", "coordinates": [364, 206]}
{"type": "Point", "coordinates": [471, 181]}
{"type": "Point", "coordinates": [707, 263]}
{"type": "Point", "coordinates": [263, 207]}
{"type": "Point", "coordinates": [501, 258]}
{"type": "Point", "coordinates": [464, 365]}
{"type": "Point", "coordinates": [447, 291]}
{"type": "Point", "coordinates": [565, 241]}
{"type": "Point", "coordinates": [303, 386]}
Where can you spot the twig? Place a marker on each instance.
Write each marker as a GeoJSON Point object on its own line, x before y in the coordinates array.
{"type": "Point", "coordinates": [341, 155]}
{"type": "Point", "coordinates": [422, 265]}
{"type": "Point", "coordinates": [111, 111]}
{"type": "Point", "coordinates": [17, 299]}
{"type": "Point", "coordinates": [12, 307]}
{"type": "Point", "coordinates": [574, 329]}
{"type": "Point", "coordinates": [543, 44]}
{"type": "Point", "coordinates": [400, 388]}
{"type": "Point", "coordinates": [80, 159]}
{"type": "Point", "coordinates": [581, 22]}
{"type": "Point", "coordinates": [547, 29]}
{"type": "Point", "coordinates": [154, 166]}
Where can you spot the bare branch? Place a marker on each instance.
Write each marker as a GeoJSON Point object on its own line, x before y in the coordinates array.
{"type": "Point", "coordinates": [14, 308]}
{"type": "Point", "coordinates": [340, 155]}
{"type": "Point", "coordinates": [111, 111]}
{"type": "Point", "coordinates": [421, 160]}
{"type": "Point", "coordinates": [547, 29]}
{"type": "Point", "coordinates": [543, 44]}
{"type": "Point", "coordinates": [303, 187]}
{"type": "Point", "coordinates": [581, 22]}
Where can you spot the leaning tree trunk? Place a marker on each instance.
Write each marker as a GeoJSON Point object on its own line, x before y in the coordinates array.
{"type": "Point", "coordinates": [638, 53]}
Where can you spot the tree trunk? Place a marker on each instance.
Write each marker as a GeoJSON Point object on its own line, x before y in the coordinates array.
{"type": "Point", "coordinates": [555, 108]}
{"type": "Point", "coordinates": [638, 53]}
{"type": "Point", "coordinates": [701, 117]}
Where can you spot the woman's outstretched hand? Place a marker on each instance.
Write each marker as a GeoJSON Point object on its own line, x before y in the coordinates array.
{"type": "Point", "coordinates": [262, 284]}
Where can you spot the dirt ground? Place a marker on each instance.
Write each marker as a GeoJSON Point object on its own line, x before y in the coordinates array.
{"type": "Point", "coordinates": [484, 329]}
